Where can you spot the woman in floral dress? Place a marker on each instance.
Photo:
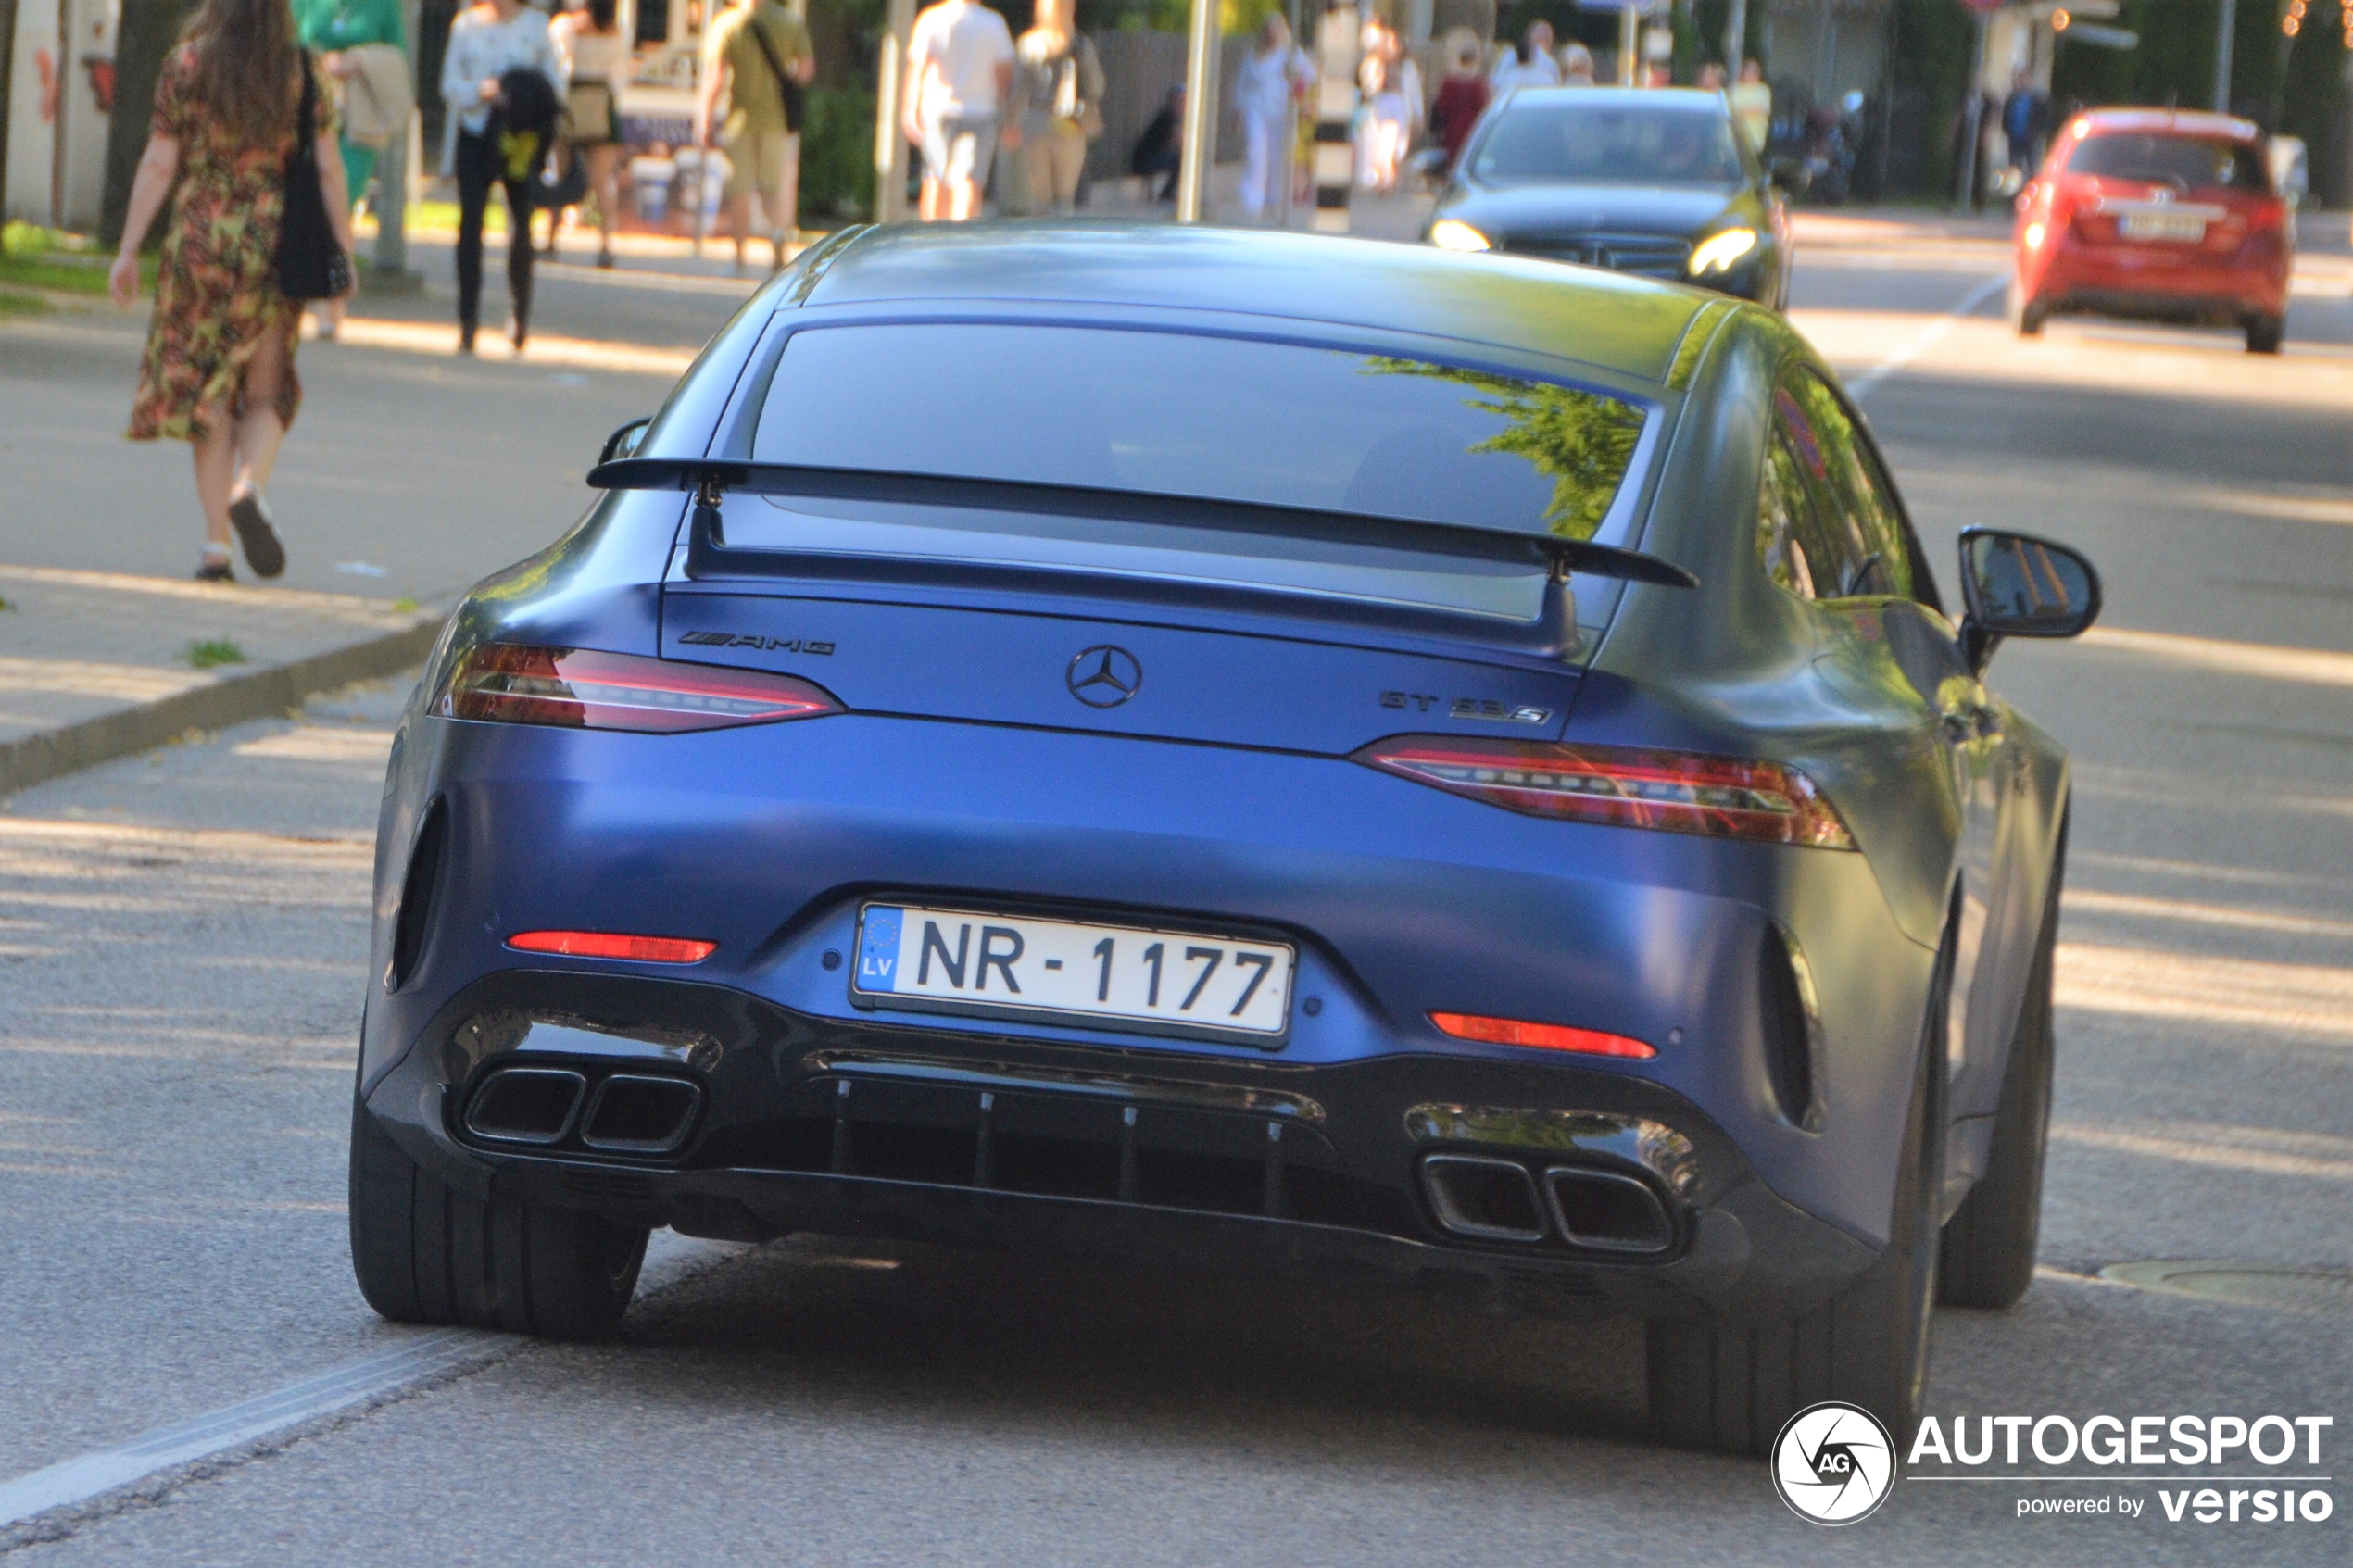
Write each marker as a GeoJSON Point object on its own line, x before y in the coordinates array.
{"type": "Point", "coordinates": [219, 371]}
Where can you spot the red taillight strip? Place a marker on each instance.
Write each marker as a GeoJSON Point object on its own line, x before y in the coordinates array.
{"type": "Point", "coordinates": [611, 944]}
{"type": "Point", "coordinates": [1542, 1037]}
{"type": "Point", "coordinates": [584, 688]}
{"type": "Point", "coordinates": [1673, 791]}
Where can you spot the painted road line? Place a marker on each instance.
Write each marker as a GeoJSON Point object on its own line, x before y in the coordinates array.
{"type": "Point", "coordinates": [1926, 338]}
{"type": "Point", "coordinates": [669, 1259]}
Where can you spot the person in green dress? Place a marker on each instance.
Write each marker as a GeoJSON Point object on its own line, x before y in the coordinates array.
{"type": "Point", "coordinates": [330, 27]}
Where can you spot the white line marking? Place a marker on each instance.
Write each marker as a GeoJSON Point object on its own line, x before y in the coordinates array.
{"type": "Point", "coordinates": [1925, 339]}
{"type": "Point", "coordinates": [78, 1480]}
{"type": "Point", "coordinates": [669, 1258]}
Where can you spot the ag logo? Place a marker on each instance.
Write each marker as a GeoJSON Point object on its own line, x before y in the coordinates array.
{"type": "Point", "coordinates": [1833, 1464]}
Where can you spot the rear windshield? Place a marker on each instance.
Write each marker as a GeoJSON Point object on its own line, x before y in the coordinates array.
{"type": "Point", "coordinates": [1608, 144]}
{"type": "Point", "coordinates": [2188, 162]}
{"type": "Point", "coordinates": [1222, 419]}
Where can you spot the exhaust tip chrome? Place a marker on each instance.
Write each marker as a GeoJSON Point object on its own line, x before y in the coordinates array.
{"type": "Point", "coordinates": [1606, 1211]}
{"type": "Point", "coordinates": [1476, 1196]}
{"type": "Point", "coordinates": [533, 1105]}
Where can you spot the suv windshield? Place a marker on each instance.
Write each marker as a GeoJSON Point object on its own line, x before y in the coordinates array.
{"type": "Point", "coordinates": [1170, 413]}
{"type": "Point", "coordinates": [1563, 139]}
{"type": "Point", "coordinates": [2190, 163]}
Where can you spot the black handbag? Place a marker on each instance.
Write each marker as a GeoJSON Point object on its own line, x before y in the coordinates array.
{"type": "Point", "coordinates": [786, 88]}
{"type": "Point", "coordinates": [310, 264]}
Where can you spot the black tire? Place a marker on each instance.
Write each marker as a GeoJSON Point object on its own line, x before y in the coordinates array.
{"type": "Point", "coordinates": [1731, 1387]}
{"type": "Point", "coordinates": [2027, 315]}
{"type": "Point", "coordinates": [2265, 334]}
{"type": "Point", "coordinates": [426, 1254]}
{"type": "Point", "coordinates": [1988, 1243]}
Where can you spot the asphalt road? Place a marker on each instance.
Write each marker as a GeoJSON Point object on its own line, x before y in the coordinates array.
{"type": "Point", "coordinates": [180, 975]}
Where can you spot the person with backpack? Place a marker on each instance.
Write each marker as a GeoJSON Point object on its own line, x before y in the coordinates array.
{"type": "Point", "coordinates": [219, 371]}
{"type": "Point", "coordinates": [504, 85]}
{"type": "Point", "coordinates": [759, 55]}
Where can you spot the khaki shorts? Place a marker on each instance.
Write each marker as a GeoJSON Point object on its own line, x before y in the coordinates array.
{"type": "Point", "coordinates": [757, 162]}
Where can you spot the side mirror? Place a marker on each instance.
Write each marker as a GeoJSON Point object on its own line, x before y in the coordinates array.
{"type": "Point", "coordinates": [2016, 585]}
{"type": "Point", "coordinates": [623, 442]}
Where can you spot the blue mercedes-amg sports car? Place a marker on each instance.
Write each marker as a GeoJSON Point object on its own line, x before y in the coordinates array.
{"type": "Point", "coordinates": [1238, 751]}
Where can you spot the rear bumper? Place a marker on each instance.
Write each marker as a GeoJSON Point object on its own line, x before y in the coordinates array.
{"type": "Point", "coordinates": [2118, 281]}
{"type": "Point", "coordinates": [1210, 1165]}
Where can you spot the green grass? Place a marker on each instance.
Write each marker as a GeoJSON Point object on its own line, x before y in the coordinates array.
{"type": "Point", "coordinates": [406, 607]}
{"type": "Point", "coordinates": [61, 273]}
{"type": "Point", "coordinates": [13, 304]}
{"type": "Point", "coordinates": [213, 652]}
{"type": "Point", "coordinates": [5, 606]}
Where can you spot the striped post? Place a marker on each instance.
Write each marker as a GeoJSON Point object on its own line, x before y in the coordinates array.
{"type": "Point", "coordinates": [1337, 42]}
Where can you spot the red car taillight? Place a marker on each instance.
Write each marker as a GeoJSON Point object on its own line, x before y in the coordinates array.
{"type": "Point", "coordinates": [585, 689]}
{"type": "Point", "coordinates": [1674, 791]}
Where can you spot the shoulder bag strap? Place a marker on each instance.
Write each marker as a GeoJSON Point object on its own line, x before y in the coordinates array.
{"type": "Point", "coordinates": [788, 90]}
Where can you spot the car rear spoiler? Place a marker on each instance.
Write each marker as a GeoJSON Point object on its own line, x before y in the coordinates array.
{"type": "Point", "coordinates": [708, 555]}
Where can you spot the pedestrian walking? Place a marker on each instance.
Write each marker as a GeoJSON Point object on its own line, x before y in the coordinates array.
{"type": "Point", "coordinates": [960, 72]}
{"type": "Point", "coordinates": [1531, 62]}
{"type": "Point", "coordinates": [1278, 75]}
{"type": "Point", "coordinates": [500, 121]}
{"type": "Point", "coordinates": [1752, 102]}
{"type": "Point", "coordinates": [761, 58]}
{"type": "Point", "coordinates": [596, 61]}
{"type": "Point", "coordinates": [219, 371]}
{"type": "Point", "coordinates": [357, 42]}
{"type": "Point", "coordinates": [1463, 94]}
{"type": "Point", "coordinates": [1384, 131]}
{"type": "Point", "coordinates": [1577, 64]}
{"type": "Point", "coordinates": [1058, 94]}
{"type": "Point", "coordinates": [2025, 123]}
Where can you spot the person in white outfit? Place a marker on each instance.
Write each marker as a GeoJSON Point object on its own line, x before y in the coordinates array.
{"type": "Point", "coordinates": [960, 69]}
{"type": "Point", "coordinates": [1531, 64]}
{"type": "Point", "coordinates": [1277, 74]}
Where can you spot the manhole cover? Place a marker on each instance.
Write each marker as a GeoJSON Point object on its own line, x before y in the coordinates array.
{"type": "Point", "coordinates": [2296, 1290]}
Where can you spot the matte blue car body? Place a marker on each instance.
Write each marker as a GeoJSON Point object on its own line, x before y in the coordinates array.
{"type": "Point", "coordinates": [972, 780]}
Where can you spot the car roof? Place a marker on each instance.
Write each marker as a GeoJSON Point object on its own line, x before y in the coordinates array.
{"type": "Point", "coordinates": [1607, 320]}
{"type": "Point", "coordinates": [1689, 99]}
{"type": "Point", "coordinates": [2171, 122]}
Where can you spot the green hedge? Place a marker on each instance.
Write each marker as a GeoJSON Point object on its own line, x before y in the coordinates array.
{"type": "Point", "coordinates": [838, 155]}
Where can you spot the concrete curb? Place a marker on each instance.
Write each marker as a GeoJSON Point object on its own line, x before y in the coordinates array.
{"type": "Point", "coordinates": [264, 694]}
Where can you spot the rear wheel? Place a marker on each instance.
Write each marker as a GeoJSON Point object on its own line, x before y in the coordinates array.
{"type": "Point", "coordinates": [426, 1253]}
{"type": "Point", "coordinates": [2027, 315]}
{"type": "Point", "coordinates": [2264, 333]}
{"type": "Point", "coordinates": [1731, 1387]}
{"type": "Point", "coordinates": [1989, 1242]}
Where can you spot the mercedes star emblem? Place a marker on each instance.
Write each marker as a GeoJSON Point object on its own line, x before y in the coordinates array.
{"type": "Point", "coordinates": [1105, 676]}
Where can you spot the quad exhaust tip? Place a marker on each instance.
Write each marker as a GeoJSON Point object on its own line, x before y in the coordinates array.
{"type": "Point", "coordinates": [628, 1113]}
{"type": "Point", "coordinates": [1491, 1198]}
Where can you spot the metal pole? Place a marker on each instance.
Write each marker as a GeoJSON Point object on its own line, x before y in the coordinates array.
{"type": "Point", "coordinates": [1629, 44]}
{"type": "Point", "coordinates": [1201, 111]}
{"type": "Point", "coordinates": [1337, 42]}
{"type": "Point", "coordinates": [1972, 116]}
{"type": "Point", "coordinates": [1736, 39]}
{"type": "Point", "coordinates": [890, 148]}
{"type": "Point", "coordinates": [2225, 37]}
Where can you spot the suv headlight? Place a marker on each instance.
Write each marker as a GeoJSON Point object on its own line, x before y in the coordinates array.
{"type": "Point", "coordinates": [1721, 251]}
{"type": "Point", "coordinates": [1450, 233]}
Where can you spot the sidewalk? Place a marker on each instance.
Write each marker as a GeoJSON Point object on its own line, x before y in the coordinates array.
{"type": "Point", "coordinates": [95, 665]}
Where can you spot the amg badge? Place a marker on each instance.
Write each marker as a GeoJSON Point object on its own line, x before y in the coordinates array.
{"type": "Point", "coordinates": [746, 640]}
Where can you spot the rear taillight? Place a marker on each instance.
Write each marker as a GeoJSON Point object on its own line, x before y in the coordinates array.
{"type": "Point", "coordinates": [1541, 1036]}
{"type": "Point", "coordinates": [612, 944]}
{"type": "Point", "coordinates": [584, 689]}
{"type": "Point", "coordinates": [1674, 791]}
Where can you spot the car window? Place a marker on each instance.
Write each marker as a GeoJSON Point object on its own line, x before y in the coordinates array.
{"type": "Point", "coordinates": [1788, 529]}
{"type": "Point", "coordinates": [1874, 555]}
{"type": "Point", "coordinates": [1572, 139]}
{"type": "Point", "coordinates": [2191, 162]}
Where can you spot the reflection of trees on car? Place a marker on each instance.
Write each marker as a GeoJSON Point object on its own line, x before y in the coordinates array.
{"type": "Point", "coordinates": [1582, 441]}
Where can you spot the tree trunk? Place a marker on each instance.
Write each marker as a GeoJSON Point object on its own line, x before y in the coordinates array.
{"type": "Point", "coordinates": [144, 36]}
{"type": "Point", "coordinates": [7, 72]}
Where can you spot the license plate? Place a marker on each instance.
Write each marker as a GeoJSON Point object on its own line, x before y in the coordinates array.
{"type": "Point", "coordinates": [2162, 226]}
{"type": "Point", "coordinates": [966, 961]}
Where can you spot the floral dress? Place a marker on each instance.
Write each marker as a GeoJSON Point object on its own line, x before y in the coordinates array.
{"type": "Point", "coordinates": [217, 291]}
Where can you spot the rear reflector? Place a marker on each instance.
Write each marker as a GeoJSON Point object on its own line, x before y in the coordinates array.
{"type": "Point", "coordinates": [584, 689]}
{"type": "Point", "coordinates": [607, 945]}
{"type": "Point", "coordinates": [1543, 1036]}
{"type": "Point", "coordinates": [1676, 791]}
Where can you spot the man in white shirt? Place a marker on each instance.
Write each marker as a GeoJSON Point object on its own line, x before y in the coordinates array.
{"type": "Point", "coordinates": [960, 67]}
{"type": "Point", "coordinates": [1531, 64]}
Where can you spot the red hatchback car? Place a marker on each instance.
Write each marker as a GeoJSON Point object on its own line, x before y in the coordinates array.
{"type": "Point", "coordinates": [2158, 214]}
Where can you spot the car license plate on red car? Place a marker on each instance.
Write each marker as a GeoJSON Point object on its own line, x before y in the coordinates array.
{"type": "Point", "coordinates": [2184, 228]}
{"type": "Point", "coordinates": [968, 961]}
